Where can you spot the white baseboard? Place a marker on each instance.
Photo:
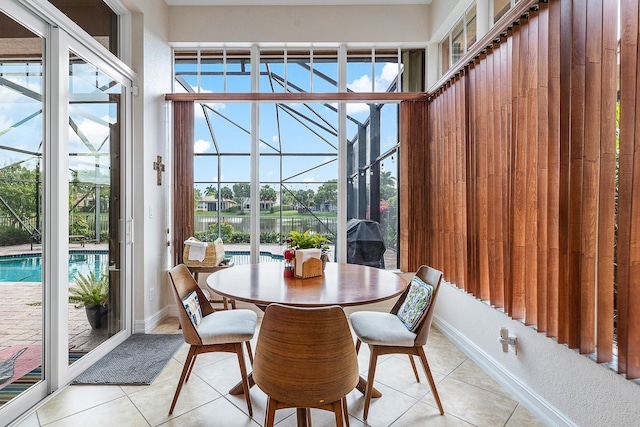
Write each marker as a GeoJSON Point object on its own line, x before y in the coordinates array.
{"type": "Point", "coordinates": [147, 325]}
{"type": "Point", "coordinates": [539, 407]}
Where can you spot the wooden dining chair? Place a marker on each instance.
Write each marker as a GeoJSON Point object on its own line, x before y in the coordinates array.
{"type": "Point", "coordinates": [208, 330]}
{"type": "Point", "coordinates": [404, 330]}
{"type": "Point", "coordinates": [305, 358]}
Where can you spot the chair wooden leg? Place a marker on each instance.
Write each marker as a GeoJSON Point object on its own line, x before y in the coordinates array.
{"type": "Point", "coordinates": [248, 345]}
{"type": "Point", "coordinates": [373, 359]}
{"type": "Point", "coordinates": [338, 410]}
{"type": "Point", "coordinates": [245, 380]}
{"type": "Point", "coordinates": [183, 377]}
{"type": "Point", "coordinates": [345, 410]}
{"type": "Point", "coordinates": [432, 384]}
{"type": "Point", "coordinates": [358, 342]}
{"type": "Point", "coordinates": [192, 363]}
{"type": "Point", "coordinates": [413, 365]}
{"type": "Point", "coordinates": [270, 413]}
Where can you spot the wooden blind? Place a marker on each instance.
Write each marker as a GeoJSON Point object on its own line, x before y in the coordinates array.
{"type": "Point", "coordinates": [183, 204]}
{"type": "Point", "coordinates": [414, 167]}
{"type": "Point", "coordinates": [522, 196]}
{"type": "Point", "coordinates": [628, 250]}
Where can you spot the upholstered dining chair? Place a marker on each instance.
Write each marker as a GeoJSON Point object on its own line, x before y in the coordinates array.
{"type": "Point", "coordinates": [305, 358]}
{"type": "Point", "coordinates": [404, 330]}
{"type": "Point", "coordinates": [208, 330]}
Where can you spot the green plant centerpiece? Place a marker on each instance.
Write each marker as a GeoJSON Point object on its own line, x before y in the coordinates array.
{"type": "Point", "coordinates": [92, 293]}
{"type": "Point", "coordinates": [310, 240]}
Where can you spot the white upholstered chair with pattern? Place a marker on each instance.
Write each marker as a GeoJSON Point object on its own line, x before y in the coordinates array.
{"type": "Point", "coordinates": [403, 330]}
{"type": "Point", "coordinates": [208, 330]}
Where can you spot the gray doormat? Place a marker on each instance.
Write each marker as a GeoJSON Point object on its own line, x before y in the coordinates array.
{"type": "Point", "coordinates": [138, 360]}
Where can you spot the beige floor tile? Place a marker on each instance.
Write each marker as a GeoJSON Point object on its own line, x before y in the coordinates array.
{"type": "Point", "coordinates": [396, 373]}
{"type": "Point", "coordinates": [474, 405]}
{"type": "Point", "coordinates": [470, 373]}
{"type": "Point", "coordinates": [469, 396]}
{"type": "Point", "coordinates": [77, 398]}
{"type": "Point", "coordinates": [220, 412]}
{"type": "Point", "coordinates": [384, 410]}
{"type": "Point", "coordinates": [119, 412]}
{"type": "Point", "coordinates": [437, 339]}
{"type": "Point", "coordinates": [444, 360]}
{"type": "Point", "coordinates": [523, 418]}
{"type": "Point", "coordinates": [221, 375]}
{"type": "Point", "coordinates": [422, 414]}
{"type": "Point", "coordinates": [155, 401]}
{"type": "Point", "coordinates": [30, 421]}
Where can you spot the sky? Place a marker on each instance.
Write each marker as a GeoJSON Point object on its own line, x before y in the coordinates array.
{"type": "Point", "coordinates": [299, 130]}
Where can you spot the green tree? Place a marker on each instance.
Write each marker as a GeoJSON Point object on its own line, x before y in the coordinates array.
{"type": "Point", "coordinates": [305, 197]}
{"type": "Point", "coordinates": [18, 193]}
{"type": "Point", "coordinates": [211, 190]}
{"type": "Point", "coordinates": [327, 193]}
{"type": "Point", "coordinates": [226, 193]}
{"type": "Point", "coordinates": [197, 196]}
{"type": "Point", "coordinates": [268, 194]}
{"type": "Point", "coordinates": [387, 185]}
{"type": "Point", "coordinates": [242, 193]}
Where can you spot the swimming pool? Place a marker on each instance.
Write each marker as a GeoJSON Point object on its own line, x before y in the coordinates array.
{"type": "Point", "coordinates": [28, 267]}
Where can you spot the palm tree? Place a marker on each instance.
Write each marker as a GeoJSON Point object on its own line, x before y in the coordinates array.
{"type": "Point", "coordinates": [211, 191]}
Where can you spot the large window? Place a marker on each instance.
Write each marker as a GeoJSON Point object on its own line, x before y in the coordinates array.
{"type": "Point", "coordinates": [459, 40]}
{"type": "Point", "coordinates": [297, 143]}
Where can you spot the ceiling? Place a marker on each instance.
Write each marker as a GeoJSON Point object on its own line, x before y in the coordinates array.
{"type": "Point", "coordinates": [290, 2]}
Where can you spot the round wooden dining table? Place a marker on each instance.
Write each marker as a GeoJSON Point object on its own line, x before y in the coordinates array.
{"type": "Point", "coordinates": [340, 284]}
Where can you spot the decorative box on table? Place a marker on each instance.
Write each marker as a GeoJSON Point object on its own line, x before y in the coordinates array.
{"type": "Point", "coordinates": [202, 254]}
{"type": "Point", "coordinates": [307, 263]}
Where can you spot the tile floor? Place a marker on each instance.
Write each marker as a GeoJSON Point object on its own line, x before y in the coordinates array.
{"type": "Point", "coordinates": [470, 397]}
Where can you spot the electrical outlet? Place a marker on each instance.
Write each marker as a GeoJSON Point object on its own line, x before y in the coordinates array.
{"type": "Point", "coordinates": [509, 344]}
{"type": "Point", "coordinates": [151, 294]}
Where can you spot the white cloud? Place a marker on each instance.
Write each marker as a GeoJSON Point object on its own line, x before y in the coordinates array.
{"type": "Point", "coordinates": [95, 132]}
{"type": "Point", "coordinates": [311, 179]}
{"type": "Point", "coordinates": [201, 146]}
{"type": "Point", "coordinates": [357, 108]}
{"type": "Point", "coordinates": [363, 84]}
{"type": "Point", "coordinates": [275, 139]}
{"type": "Point", "coordinates": [199, 111]}
{"type": "Point", "coordinates": [382, 81]}
{"type": "Point", "coordinates": [389, 73]}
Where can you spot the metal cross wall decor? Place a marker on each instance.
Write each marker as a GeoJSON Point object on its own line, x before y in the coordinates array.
{"type": "Point", "coordinates": [158, 166]}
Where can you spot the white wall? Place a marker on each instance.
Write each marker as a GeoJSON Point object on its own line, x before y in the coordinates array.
{"type": "Point", "coordinates": [152, 60]}
{"type": "Point", "coordinates": [559, 385]}
{"type": "Point", "coordinates": [364, 24]}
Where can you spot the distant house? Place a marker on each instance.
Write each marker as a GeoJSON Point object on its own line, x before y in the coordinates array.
{"type": "Point", "coordinates": [210, 204]}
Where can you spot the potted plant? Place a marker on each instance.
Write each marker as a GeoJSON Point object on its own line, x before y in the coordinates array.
{"type": "Point", "coordinates": [91, 293]}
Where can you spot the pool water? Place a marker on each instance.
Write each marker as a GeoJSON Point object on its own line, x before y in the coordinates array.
{"type": "Point", "coordinates": [28, 268]}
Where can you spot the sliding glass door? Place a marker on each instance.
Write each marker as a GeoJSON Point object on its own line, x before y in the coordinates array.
{"type": "Point", "coordinates": [65, 197]}
{"type": "Point", "coordinates": [22, 85]}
